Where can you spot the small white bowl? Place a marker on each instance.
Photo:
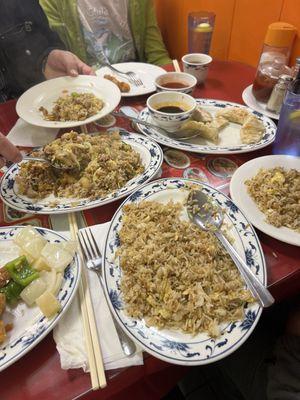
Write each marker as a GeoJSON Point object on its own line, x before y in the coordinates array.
{"type": "Point", "coordinates": [188, 80]}
{"type": "Point", "coordinates": [197, 65]}
{"type": "Point", "coordinates": [167, 120]}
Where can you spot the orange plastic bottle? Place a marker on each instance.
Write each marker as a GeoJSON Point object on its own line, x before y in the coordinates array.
{"type": "Point", "coordinates": [274, 59]}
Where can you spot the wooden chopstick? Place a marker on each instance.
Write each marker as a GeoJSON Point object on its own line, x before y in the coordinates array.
{"type": "Point", "coordinates": [84, 129]}
{"type": "Point", "coordinates": [97, 373]}
{"type": "Point", "coordinates": [176, 66]}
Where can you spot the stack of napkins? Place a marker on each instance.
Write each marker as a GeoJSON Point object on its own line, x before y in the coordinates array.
{"type": "Point", "coordinates": [69, 334]}
{"type": "Point", "coordinates": [27, 135]}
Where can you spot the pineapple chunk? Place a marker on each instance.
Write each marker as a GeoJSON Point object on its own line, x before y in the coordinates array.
{"type": "Point", "coordinates": [58, 282]}
{"type": "Point", "coordinates": [33, 291]}
{"type": "Point", "coordinates": [30, 241]}
{"type": "Point", "coordinates": [41, 265]}
{"type": "Point", "coordinates": [49, 277]}
{"type": "Point", "coordinates": [56, 256]}
{"type": "Point", "coordinates": [48, 304]}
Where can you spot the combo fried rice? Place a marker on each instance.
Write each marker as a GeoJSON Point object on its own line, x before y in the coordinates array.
{"type": "Point", "coordinates": [73, 107]}
{"type": "Point", "coordinates": [175, 275]}
{"type": "Point", "coordinates": [92, 166]}
{"type": "Point", "coordinates": [276, 191]}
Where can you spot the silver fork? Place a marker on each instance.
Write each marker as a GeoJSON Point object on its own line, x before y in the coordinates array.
{"type": "Point", "coordinates": [131, 76]}
{"type": "Point", "coordinates": [93, 258]}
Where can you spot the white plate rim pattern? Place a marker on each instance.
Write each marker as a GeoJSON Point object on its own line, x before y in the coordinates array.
{"type": "Point", "coordinates": [182, 353]}
{"type": "Point", "coordinates": [12, 352]}
{"type": "Point", "coordinates": [11, 198]}
{"type": "Point", "coordinates": [112, 92]}
{"type": "Point", "coordinates": [267, 139]}
{"type": "Point", "coordinates": [240, 196]}
{"type": "Point", "coordinates": [247, 93]}
{"type": "Point", "coordinates": [131, 66]}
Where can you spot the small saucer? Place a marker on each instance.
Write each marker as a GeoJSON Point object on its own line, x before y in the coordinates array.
{"type": "Point", "coordinates": [251, 102]}
{"type": "Point", "coordinates": [176, 159]}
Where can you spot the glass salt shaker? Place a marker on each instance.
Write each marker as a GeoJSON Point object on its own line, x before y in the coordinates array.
{"type": "Point", "coordinates": [296, 67]}
{"type": "Point", "coordinates": [277, 96]}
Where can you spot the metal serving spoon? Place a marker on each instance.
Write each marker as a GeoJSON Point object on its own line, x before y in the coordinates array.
{"type": "Point", "coordinates": [209, 217]}
{"type": "Point", "coordinates": [56, 166]}
{"type": "Point", "coordinates": [128, 112]}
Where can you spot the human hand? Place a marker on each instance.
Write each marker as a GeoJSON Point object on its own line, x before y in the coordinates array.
{"type": "Point", "coordinates": [8, 151]}
{"type": "Point", "coordinates": [62, 63]}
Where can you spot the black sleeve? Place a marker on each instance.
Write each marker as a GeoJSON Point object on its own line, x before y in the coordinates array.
{"type": "Point", "coordinates": [25, 40]}
{"type": "Point", "coordinates": [40, 21]}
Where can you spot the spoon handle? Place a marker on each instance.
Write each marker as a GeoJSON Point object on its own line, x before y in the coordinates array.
{"type": "Point", "coordinates": [149, 125]}
{"type": "Point", "coordinates": [258, 290]}
{"type": "Point", "coordinates": [138, 121]}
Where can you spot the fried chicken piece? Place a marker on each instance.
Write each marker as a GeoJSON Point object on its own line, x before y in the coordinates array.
{"type": "Point", "coordinates": [123, 86]}
{"type": "Point", "coordinates": [2, 332]}
{"type": "Point", "coordinates": [2, 303]}
{"type": "Point", "coordinates": [4, 278]}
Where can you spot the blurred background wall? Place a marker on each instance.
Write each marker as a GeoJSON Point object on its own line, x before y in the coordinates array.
{"type": "Point", "coordinates": [240, 25]}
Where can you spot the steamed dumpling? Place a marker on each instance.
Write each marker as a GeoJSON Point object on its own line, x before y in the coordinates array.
{"type": "Point", "coordinates": [201, 115]}
{"type": "Point", "coordinates": [207, 131]}
{"type": "Point", "coordinates": [234, 114]}
{"type": "Point", "coordinates": [252, 131]}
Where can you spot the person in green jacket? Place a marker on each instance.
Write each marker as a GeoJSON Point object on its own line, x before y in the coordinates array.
{"type": "Point", "coordinates": [100, 30]}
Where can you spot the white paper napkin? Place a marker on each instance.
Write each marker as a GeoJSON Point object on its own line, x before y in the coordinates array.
{"type": "Point", "coordinates": [27, 135]}
{"type": "Point", "coordinates": [68, 334]}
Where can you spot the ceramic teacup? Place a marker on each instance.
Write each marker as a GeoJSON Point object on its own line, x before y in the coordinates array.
{"type": "Point", "coordinates": [175, 82]}
{"type": "Point", "coordinates": [197, 65]}
{"type": "Point", "coordinates": [170, 109]}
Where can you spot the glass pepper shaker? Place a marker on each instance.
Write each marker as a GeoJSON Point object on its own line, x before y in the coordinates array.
{"type": "Point", "coordinates": [277, 96]}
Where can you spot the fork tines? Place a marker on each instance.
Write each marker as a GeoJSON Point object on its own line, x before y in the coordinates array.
{"type": "Point", "coordinates": [136, 80]}
{"type": "Point", "coordinates": [88, 244]}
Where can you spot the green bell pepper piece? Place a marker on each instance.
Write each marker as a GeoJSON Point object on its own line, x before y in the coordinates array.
{"type": "Point", "coordinates": [12, 292]}
{"type": "Point", "coordinates": [20, 271]}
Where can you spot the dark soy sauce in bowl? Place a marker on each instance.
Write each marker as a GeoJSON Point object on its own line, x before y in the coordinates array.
{"type": "Point", "coordinates": [170, 109]}
{"type": "Point", "coordinates": [174, 85]}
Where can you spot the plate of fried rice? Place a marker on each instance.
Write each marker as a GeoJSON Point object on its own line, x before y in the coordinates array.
{"type": "Point", "coordinates": [66, 102]}
{"type": "Point", "coordinates": [83, 171]}
{"type": "Point", "coordinates": [267, 189]}
{"type": "Point", "coordinates": [172, 287]}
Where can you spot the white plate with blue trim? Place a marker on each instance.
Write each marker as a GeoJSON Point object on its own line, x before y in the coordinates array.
{"type": "Point", "coordinates": [29, 325]}
{"type": "Point", "coordinates": [251, 102]}
{"type": "Point", "coordinates": [230, 141]}
{"type": "Point", "coordinates": [151, 156]}
{"type": "Point", "coordinates": [146, 72]}
{"type": "Point", "coordinates": [170, 345]}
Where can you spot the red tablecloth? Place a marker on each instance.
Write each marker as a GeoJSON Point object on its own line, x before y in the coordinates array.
{"type": "Point", "coordinates": [38, 375]}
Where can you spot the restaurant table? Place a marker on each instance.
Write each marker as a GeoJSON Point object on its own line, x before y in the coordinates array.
{"type": "Point", "coordinates": [38, 374]}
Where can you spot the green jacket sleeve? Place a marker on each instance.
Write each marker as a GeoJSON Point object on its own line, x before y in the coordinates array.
{"type": "Point", "coordinates": [55, 21]}
{"type": "Point", "coordinates": [63, 19]}
{"type": "Point", "coordinates": [155, 50]}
